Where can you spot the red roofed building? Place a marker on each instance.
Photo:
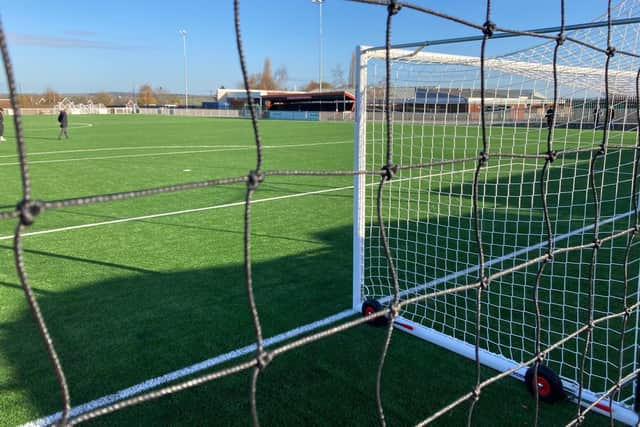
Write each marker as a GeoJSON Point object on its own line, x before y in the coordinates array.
{"type": "Point", "coordinates": [336, 101]}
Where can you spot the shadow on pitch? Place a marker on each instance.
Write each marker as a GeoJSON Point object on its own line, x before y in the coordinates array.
{"type": "Point", "coordinates": [18, 287]}
{"type": "Point", "coordinates": [53, 256]}
{"type": "Point", "coordinates": [141, 324]}
{"type": "Point", "coordinates": [45, 138]}
{"type": "Point", "coordinates": [135, 323]}
{"type": "Point", "coordinates": [166, 223]}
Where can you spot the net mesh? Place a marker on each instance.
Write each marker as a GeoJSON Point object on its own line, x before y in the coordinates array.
{"type": "Point", "coordinates": [436, 115]}
{"type": "Point", "coordinates": [469, 214]}
{"type": "Point", "coordinates": [526, 219]}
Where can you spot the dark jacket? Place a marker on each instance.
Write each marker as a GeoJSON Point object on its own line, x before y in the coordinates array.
{"type": "Point", "coordinates": [549, 114]}
{"type": "Point", "coordinates": [62, 119]}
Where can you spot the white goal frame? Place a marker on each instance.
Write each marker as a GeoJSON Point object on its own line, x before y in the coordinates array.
{"type": "Point", "coordinates": [498, 362]}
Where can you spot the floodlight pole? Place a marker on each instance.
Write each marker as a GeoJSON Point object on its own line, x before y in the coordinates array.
{"type": "Point", "coordinates": [183, 33]}
{"type": "Point", "coordinates": [319, 3]}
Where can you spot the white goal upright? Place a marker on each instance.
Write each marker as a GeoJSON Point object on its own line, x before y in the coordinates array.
{"type": "Point", "coordinates": [582, 308]}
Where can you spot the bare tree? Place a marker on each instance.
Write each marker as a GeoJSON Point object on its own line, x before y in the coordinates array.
{"type": "Point", "coordinates": [25, 100]}
{"type": "Point", "coordinates": [162, 96]}
{"type": "Point", "coordinates": [103, 98]}
{"type": "Point", "coordinates": [266, 78]}
{"type": "Point", "coordinates": [314, 85]}
{"type": "Point", "coordinates": [338, 77]}
{"type": "Point", "coordinates": [254, 81]}
{"type": "Point", "coordinates": [51, 97]}
{"type": "Point", "coordinates": [281, 76]}
{"type": "Point", "coordinates": [146, 95]}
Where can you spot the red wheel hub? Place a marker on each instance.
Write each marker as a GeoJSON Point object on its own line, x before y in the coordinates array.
{"type": "Point", "coordinates": [544, 388]}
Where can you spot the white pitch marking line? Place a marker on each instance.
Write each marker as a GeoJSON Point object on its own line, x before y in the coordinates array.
{"type": "Point", "coordinates": [227, 205]}
{"type": "Point", "coordinates": [127, 156]}
{"type": "Point", "coordinates": [186, 211]}
{"type": "Point", "coordinates": [180, 373]}
{"type": "Point", "coordinates": [124, 156]}
{"type": "Point", "coordinates": [77, 125]}
{"type": "Point", "coordinates": [155, 147]}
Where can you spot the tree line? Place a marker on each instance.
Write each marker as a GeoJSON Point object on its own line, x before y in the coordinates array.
{"type": "Point", "coordinates": [147, 95]}
{"type": "Point", "coordinates": [268, 80]}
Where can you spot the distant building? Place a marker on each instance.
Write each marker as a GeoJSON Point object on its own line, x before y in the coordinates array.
{"type": "Point", "coordinates": [454, 100]}
{"type": "Point", "coordinates": [217, 105]}
{"type": "Point", "coordinates": [237, 98]}
{"type": "Point", "coordinates": [334, 101]}
{"type": "Point", "coordinates": [283, 100]}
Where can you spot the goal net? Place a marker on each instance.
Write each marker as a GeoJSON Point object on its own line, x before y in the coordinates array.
{"type": "Point", "coordinates": [496, 214]}
{"type": "Point", "coordinates": [517, 171]}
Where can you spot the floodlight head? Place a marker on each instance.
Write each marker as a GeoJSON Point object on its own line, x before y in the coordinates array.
{"type": "Point", "coordinates": [317, 1]}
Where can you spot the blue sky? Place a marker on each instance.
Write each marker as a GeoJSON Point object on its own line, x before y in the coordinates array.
{"type": "Point", "coordinates": [78, 46]}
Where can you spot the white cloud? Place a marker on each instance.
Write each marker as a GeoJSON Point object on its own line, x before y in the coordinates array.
{"type": "Point", "coordinates": [21, 39]}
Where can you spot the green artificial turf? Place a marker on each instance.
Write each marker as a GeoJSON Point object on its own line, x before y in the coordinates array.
{"type": "Point", "coordinates": [133, 300]}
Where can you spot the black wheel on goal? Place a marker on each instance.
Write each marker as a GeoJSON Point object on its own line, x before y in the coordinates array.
{"type": "Point", "coordinates": [550, 387]}
{"type": "Point", "coordinates": [370, 307]}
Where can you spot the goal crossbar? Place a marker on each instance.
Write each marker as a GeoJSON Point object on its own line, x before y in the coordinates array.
{"type": "Point", "coordinates": [620, 81]}
{"type": "Point", "coordinates": [504, 35]}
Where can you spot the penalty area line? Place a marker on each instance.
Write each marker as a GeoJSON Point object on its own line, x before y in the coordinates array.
{"type": "Point", "coordinates": [190, 370]}
{"type": "Point", "coordinates": [173, 213]}
{"type": "Point", "coordinates": [210, 149]}
{"type": "Point", "coordinates": [227, 205]}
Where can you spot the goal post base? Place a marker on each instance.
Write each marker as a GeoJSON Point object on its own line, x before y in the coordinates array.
{"type": "Point", "coordinates": [621, 413]}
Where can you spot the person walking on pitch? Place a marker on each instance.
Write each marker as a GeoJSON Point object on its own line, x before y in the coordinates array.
{"type": "Point", "coordinates": [64, 123]}
{"type": "Point", "coordinates": [2, 125]}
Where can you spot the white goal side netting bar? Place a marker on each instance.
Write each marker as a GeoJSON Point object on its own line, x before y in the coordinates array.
{"type": "Point", "coordinates": [437, 106]}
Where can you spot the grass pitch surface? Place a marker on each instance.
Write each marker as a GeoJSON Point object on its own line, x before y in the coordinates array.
{"type": "Point", "coordinates": [134, 289]}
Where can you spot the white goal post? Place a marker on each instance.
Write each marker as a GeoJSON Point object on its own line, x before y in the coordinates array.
{"type": "Point", "coordinates": [435, 108]}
